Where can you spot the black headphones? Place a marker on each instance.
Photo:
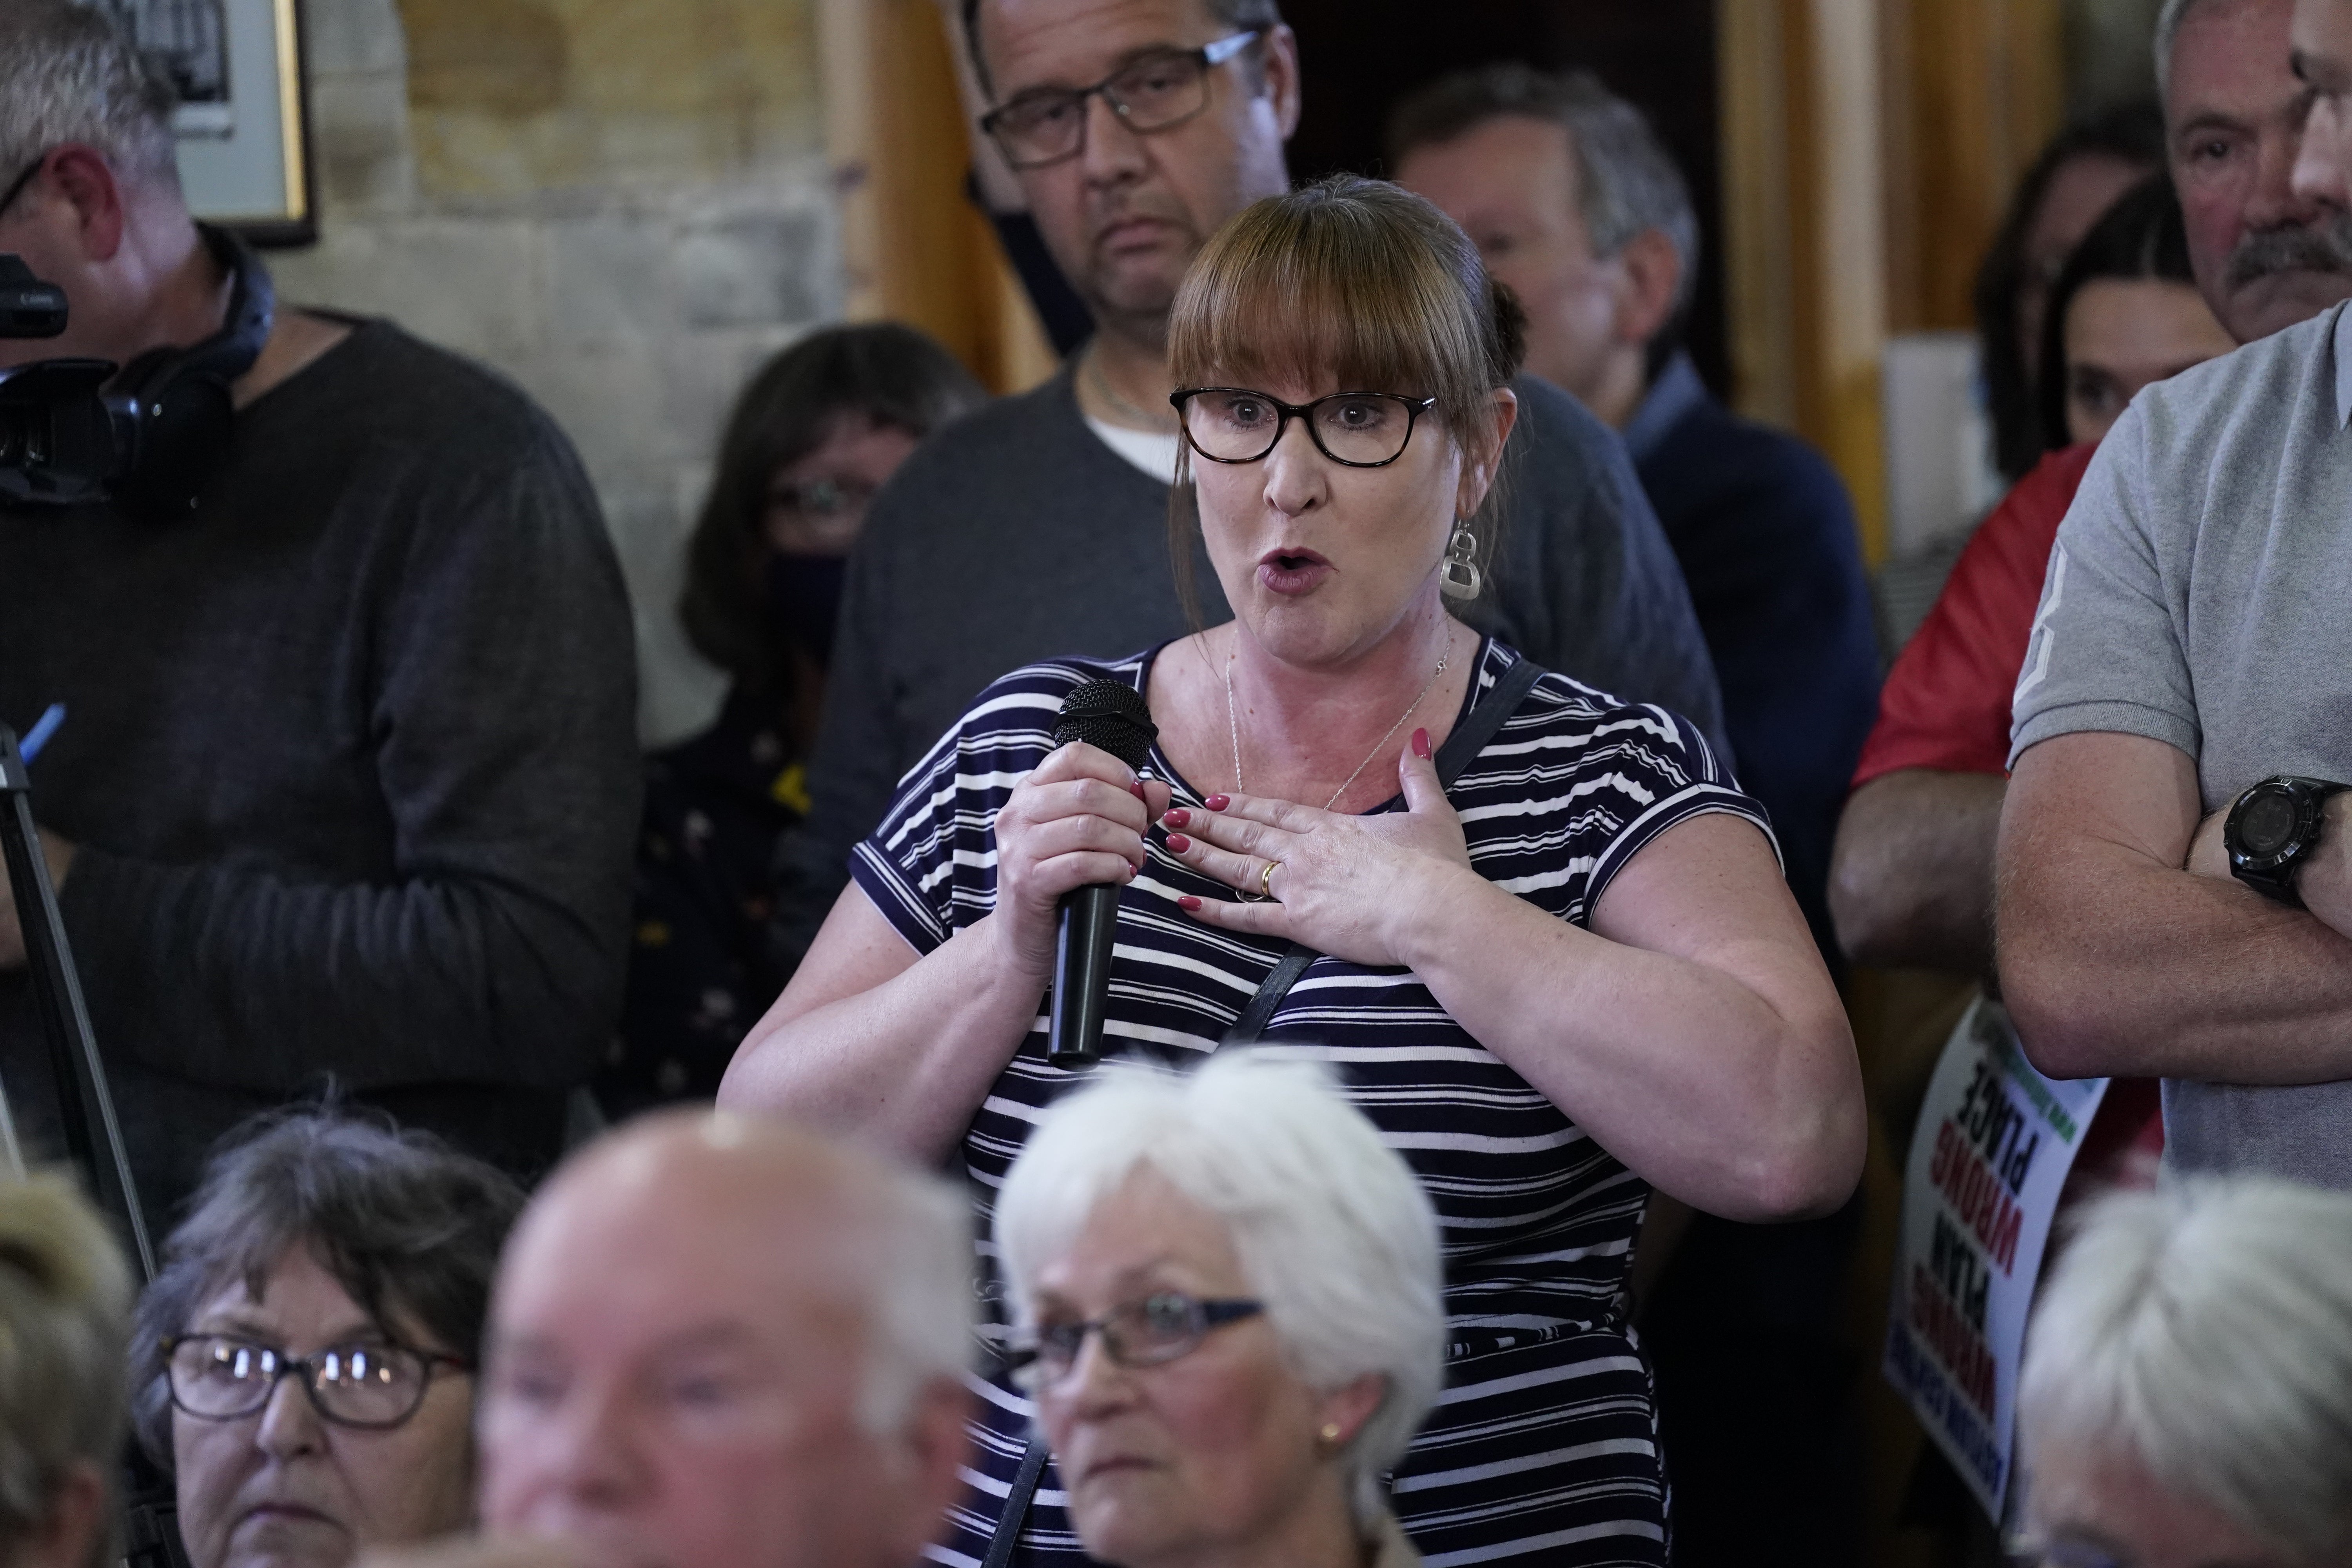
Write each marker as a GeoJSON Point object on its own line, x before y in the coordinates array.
{"type": "Point", "coordinates": [181, 415]}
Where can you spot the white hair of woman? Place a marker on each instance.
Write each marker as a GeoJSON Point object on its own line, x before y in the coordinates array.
{"type": "Point", "coordinates": [1330, 1225]}
{"type": "Point", "coordinates": [2203, 1333]}
{"type": "Point", "coordinates": [65, 1306]}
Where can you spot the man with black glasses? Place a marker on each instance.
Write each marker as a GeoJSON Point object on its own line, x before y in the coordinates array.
{"type": "Point", "coordinates": [1037, 527]}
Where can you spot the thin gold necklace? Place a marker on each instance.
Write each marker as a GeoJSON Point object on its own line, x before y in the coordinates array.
{"type": "Point", "coordinates": [1234, 725]}
{"type": "Point", "coordinates": [1110, 396]}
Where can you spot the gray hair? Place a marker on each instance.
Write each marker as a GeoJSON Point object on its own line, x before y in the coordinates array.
{"type": "Point", "coordinates": [1626, 180]}
{"type": "Point", "coordinates": [2168, 32]}
{"type": "Point", "coordinates": [921, 1301]}
{"type": "Point", "coordinates": [2205, 1331]}
{"type": "Point", "coordinates": [69, 71]}
{"type": "Point", "coordinates": [409, 1226]}
{"type": "Point", "coordinates": [1332, 1226]}
{"type": "Point", "coordinates": [65, 1297]}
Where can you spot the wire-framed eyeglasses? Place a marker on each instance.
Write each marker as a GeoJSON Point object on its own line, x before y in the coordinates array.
{"type": "Point", "coordinates": [1155, 92]}
{"type": "Point", "coordinates": [221, 1377]}
{"type": "Point", "coordinates": [16, 186]}
{"type": "Point", "coordinates": [1359, 429]}
{"type": "Point", "coordinates": [1151, 1332]}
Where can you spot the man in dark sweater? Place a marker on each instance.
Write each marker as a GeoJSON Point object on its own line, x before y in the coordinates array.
{"type": "Point", "coordinates": [346, 784]}
{"type": "Point", "coordinates": [1582, 211]}
{"type": "Point", "coordinates": [1038, 526]}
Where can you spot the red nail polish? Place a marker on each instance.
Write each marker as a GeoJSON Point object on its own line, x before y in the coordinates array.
{"type": "Point", "coordinates": [1421, 743]}
{"type": "Point", "coordinates": [1187, 901]}
{"type": "Point", "coordinates": [1178, 818]}
{"type": "Point", "coordinates": [1218, 802]}
{"type": "Point", "coordinates": [1135, 788]}
{"type": "Point", "coordinates": [1178, 844]}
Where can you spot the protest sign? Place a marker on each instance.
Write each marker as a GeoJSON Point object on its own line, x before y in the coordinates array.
{"type": "Point", "coordinates": [1994, 1144]}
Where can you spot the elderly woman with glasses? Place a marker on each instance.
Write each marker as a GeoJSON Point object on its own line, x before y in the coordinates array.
{"type": "Point", "coordinates": [1229, 1306]}
{"type": "Point", "coordinates": [304, 1361]}
{"type": "Point", "coordinates": [1541, 931]}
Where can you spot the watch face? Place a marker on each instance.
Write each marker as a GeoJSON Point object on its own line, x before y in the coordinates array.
{"type": "Point", "coordinates": [2267, 825]}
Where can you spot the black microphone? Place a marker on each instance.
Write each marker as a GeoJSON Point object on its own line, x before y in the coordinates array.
{"type": "Point", "coordinates": [1111, 717]}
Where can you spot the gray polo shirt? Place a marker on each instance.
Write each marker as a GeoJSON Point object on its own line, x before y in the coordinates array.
{"type": "Point", "coordinates": [2200, 594]}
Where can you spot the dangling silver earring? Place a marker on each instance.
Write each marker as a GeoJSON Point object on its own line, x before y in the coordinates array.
{"type": "Point", "coordinates": [1459, 577]}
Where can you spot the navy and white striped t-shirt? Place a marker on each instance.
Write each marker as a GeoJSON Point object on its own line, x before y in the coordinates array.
{"type": "Point", "coordinates": [1537, 1220]}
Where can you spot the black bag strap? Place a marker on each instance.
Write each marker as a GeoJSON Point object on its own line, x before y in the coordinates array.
{"type": "Point", "coordinates": [1461, 749]}
{"type": "Point", "coordinates": [1016, 1505]}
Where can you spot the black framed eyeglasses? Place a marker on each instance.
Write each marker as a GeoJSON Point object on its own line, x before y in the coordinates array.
{"type": "Point", "coordinates": [221, 1377]}
{"type": "Point", "coordinates": [1359, 429]}
{"type": "Point", "coordinates": [1154, 91]}
{"type": "Point", "coordinates": [16, 186]}
{"type": "Point", "coordinates": [1151, 1332]}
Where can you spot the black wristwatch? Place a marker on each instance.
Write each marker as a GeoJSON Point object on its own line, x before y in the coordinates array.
{"type": "Point", "coordinates": [2273, 829]}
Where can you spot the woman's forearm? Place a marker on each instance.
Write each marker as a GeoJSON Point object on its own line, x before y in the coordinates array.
{"type": "Point", "coordinates": [904, 1063]}
{"type": "Point", "coordinates": [1691, 1072]}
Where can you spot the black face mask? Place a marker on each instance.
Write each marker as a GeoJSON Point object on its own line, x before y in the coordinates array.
{"type": "Point", "coordinates": [804, 600]}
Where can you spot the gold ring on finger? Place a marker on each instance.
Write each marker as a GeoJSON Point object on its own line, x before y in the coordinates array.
{"type": "Point", "coordinates": [1266, 879]}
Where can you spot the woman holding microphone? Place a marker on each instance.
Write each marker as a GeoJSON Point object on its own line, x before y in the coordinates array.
{"type": "Point", "coordinates": [1568, 973]}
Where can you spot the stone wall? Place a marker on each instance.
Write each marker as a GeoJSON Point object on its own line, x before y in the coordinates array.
{"type": "Point", "coordinates": [623, 205]}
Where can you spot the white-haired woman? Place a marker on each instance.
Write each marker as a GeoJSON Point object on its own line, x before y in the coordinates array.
{"type": "Point", "coordinates": [1230, 1304]}
{"type": "Point", "coordinates": [2187, 1394]}
{"type": "Point", "coordinates": [65, 1306]}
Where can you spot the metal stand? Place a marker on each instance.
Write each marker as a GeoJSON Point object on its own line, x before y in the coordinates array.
{"type": "Point", "coordinates": [151, 1535]}
{"type": "Point", "coordinates": [86, 1110]}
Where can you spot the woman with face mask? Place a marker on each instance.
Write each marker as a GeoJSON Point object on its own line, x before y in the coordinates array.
{"type": "Point", "coordinates": [813, 438]}
{"type": "Point", "coordinates": [1540, 931]}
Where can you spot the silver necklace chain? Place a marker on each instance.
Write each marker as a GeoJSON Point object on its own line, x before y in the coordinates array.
{"type": "Point", "coordinates": [1233, 726]}
{"type": "Point", "coordinates": [1110, 395]}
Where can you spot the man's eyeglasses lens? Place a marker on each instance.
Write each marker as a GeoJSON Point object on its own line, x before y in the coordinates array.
{"type": "Point", "coordinates": [220, 1378]}
{"type": "Point", "coordinates": [1230, 425]}
{"type": "Point", "coordinates": [1152, 94]}
{"type": "Point", "coordinates": [1159, 1328]}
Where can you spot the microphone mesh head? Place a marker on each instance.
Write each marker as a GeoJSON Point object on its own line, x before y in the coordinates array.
{"type": "Point", "coordinates": [1110, 715]}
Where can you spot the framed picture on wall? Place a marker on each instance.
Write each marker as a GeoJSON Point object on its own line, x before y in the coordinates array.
{"type": "Point", "coordinates": [243, 123]}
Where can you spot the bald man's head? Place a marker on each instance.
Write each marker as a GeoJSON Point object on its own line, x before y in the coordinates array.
{"type": "Point", "coordinates": [717, 1341]}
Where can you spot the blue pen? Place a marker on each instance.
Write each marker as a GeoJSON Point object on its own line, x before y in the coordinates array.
{"type": "Point", "coordinates": [38, 735]}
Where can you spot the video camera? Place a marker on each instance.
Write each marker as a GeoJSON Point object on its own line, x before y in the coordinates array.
{"type": "Point", "coordinates": [61, 440]}
{"type": "Point", "coordinates": [145, 435]}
